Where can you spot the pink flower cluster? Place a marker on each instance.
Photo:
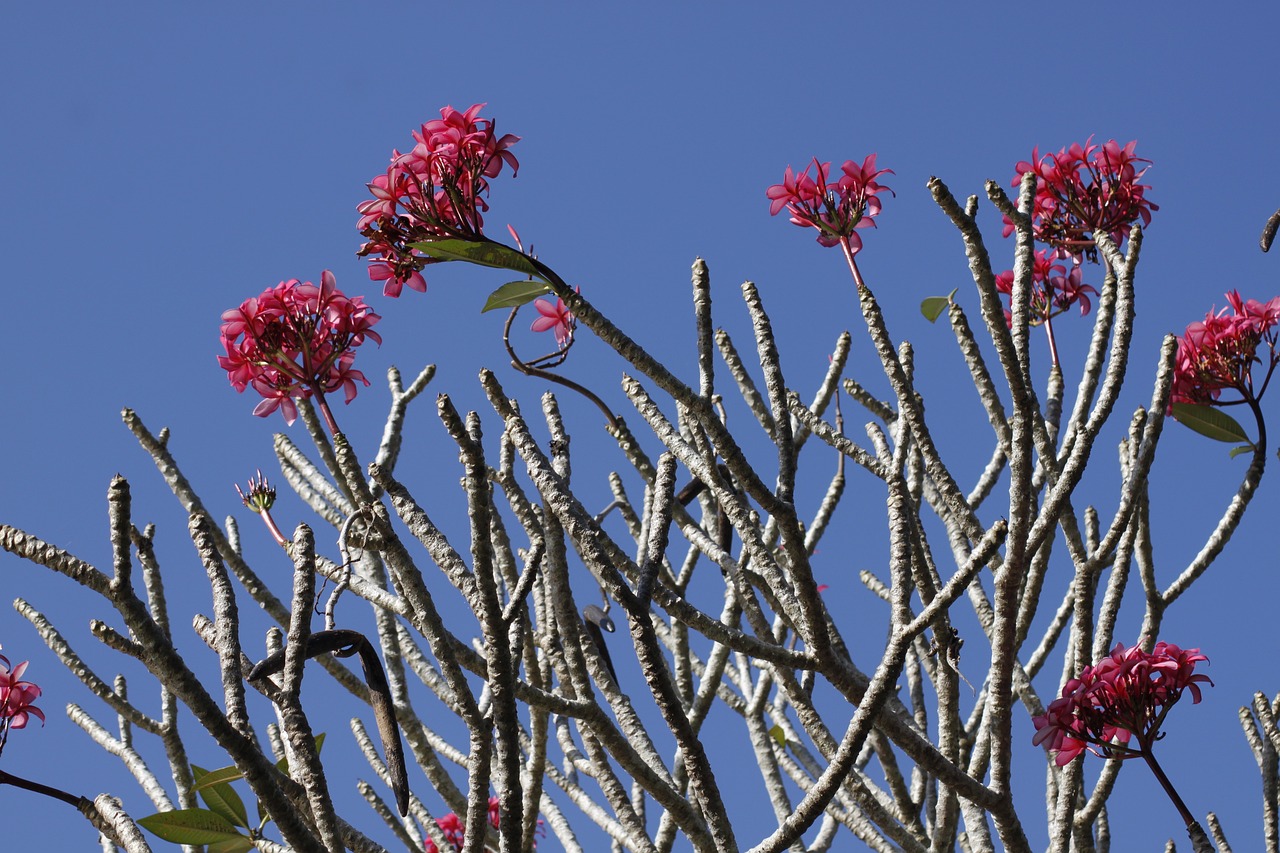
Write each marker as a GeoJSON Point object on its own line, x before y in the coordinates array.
{"type": "Point", "coordinates": [1219, 352]}
{"type": "Point", "coordinates": [16, 697]}
{"type": "Point", "coordinates": [836, 208]}
{"type": "Point", "coordinates": [451, 826]}
{"type": "Point", "coordinates": [1085, 189]}
{"type": "Point", "coordinates": [295, 340]}
{"type": "Point", "coordinates": [435, 191]}
{"type": "Point", "coordinates": [1054, 290]}
{"type": "Point", "coordinates": [1126, 694]}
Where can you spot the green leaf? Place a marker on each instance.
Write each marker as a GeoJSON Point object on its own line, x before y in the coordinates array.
{"type": "Point", "coordinates": [206, 778]}
{"type": "Point", "coordinates": [232, 845]}
{"type": "Point", "coordinates": [779, 735]}
{"type": "Point", "coordinates": [1236, 451]}
{"type": "Point", "coordinates": [484, 253]}
{"type": "Point", "coordinates": [933, 307]}
{"type": "Point", "coordinates": [193, 826]}
{"type": "Point", "coordinates": [1210, 422]}
{"type": "Point", "coordinates": [223, 799]}
{"type": "Point", "coordinates": [513, 294]}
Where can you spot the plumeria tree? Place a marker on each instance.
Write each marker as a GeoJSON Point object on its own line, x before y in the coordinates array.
{"type": "Point", "coordinates": [509, 710]}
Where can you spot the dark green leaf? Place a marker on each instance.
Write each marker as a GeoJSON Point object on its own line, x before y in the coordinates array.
{"type": "Point", "coordinates": [933, 307]}
{"type": "Point", "coordinates": [1210, 422]}
{"type": "Point", "coordinates": [192, 826]}
{"type": "Point", "coordinates": [513, 294]}
{"type": "Point", "coordinates": [484, 253]}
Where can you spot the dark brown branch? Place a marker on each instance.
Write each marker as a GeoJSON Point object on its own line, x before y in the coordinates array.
{"type": "Point", "coordinates": [345, 643]}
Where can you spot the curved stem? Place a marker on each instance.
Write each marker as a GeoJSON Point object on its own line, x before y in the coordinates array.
{"type": "Point", "coordinates": [273, 528]}
{"type": "Point", "coordinates": [1262, 424]}
{"type": "Point", "coordinates": [531, 370]}
{"type": "Point", "coordinates": [344, 643]}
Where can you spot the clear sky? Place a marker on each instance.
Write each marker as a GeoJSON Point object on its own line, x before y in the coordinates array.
{"type": "Point", "coordinates": [159, 165]}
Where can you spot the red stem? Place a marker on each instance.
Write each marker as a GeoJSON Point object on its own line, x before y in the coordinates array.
{"type": "Point", "coordinates": [1185, 812]}
{"type": "Point", "coordinates": [274, 528]}
{"type": "Point", "coordinates": [1053, 345]}
{"type": "Point", "coordinates": [853, 265]}
{"type": "Point", "coordinates": [324, 410]}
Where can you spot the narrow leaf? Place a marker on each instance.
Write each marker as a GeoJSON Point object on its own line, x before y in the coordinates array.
{"type": "Point", "coordinates": [190, 826]}
{"type": "Point", "coordinates": [1236, 451]}
{"type": "Point", "coordinates": [1210, 422]}
{"type": "Point", "coordinates": [933, 307]}
{"type": "Point", "coordinates": [484, 253]}
{"type": "Point", "coordinates": [513, 294]}
{"type": "Point", "coordinates": [205, 778]}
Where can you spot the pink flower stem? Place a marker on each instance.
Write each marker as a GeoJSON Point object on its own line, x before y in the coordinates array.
{"type": "Point", "coordinates": [273, 528]}
{"type": "Point", "coordinates": [853, 265]}
{"type": "Point", "coordinates": [1150, 757]}
{"type": "Point", "coordinates": [324, 411]}
{"type": "Point", "coordinates": [1053, 345]}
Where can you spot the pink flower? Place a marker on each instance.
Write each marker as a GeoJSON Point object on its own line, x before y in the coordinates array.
{"type": "Point", "coordinates": [1219, 353]}
{"type": "Point", "coordinates": [835, 209]}
{"type": "Point", "coordinates": [278, 394]}
{"type": "Point", "coordinates": [800, 190]}
{"type": "Point", "coordinates": [435, 191]}
{"type": "Point", "coordinates": [1257, 315]}
{"type": "Point", "coordinates": [1069, 290]}
{"type": "Point", "coordinates": [1053, 289]}
{"type": "Point", "coordinates": [295, 340]}
{"type": "Point", "coordinates": [557, 318]}
{"type": "Point", "coordinates": [466, 137]}
{"type": "Point", "coordinates": [859, 184]}
{"type": "Point", "coordinates": [454, 832]}
{"type": "Point", "coordinates": [1085, 189]}
{"type": "Point", "coordinates": [396, 278]}
{"type": "Point", "coordinates": [1125, 695]}
{"type": "Point", "coordinates": [16, 698]}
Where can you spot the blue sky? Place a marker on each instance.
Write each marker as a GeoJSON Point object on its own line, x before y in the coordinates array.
{"type": "Point", "coordinates": [159, 166]}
